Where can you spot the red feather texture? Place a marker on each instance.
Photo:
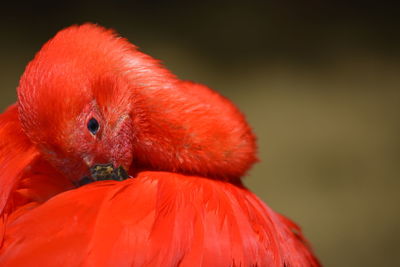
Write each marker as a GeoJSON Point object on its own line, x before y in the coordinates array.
{"type": "Point", "coordinates": [186, 148]}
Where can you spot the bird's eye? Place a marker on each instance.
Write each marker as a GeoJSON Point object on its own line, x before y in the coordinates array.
{"type": "Point", "coordinates": [93, 126]}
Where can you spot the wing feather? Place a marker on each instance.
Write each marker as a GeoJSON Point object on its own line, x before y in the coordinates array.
{"type": "Point", "coordinates": [155, 219]}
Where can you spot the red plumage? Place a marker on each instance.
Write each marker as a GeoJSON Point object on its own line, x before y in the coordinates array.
{"type": "Point", "coordinates": [185, 147]}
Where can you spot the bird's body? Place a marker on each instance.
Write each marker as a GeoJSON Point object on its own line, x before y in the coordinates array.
{"type": "Point", "coordinates": [184, 146]}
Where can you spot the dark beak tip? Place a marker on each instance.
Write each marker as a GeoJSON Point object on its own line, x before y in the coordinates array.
{"type": "Point", "coordinates": [99, 172]}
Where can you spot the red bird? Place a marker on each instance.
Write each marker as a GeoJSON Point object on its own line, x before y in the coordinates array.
{"type": "Point", "coordinates": [108, 159]}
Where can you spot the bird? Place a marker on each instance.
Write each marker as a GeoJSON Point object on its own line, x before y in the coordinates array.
{"type": "Point", "coordinates": [109, 159]}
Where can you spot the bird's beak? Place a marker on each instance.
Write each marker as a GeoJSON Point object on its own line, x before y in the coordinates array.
{"type": "Point", "coordinates": [108, 172]}
{"type": "Point", "coordinates": [99, 172]}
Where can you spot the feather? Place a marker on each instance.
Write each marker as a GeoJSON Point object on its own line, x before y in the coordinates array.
{"type": "Point", "coordinates": [25, 179]}
{"type": "Point", "coordinates": [155, 219]}
{"type": "Point", "coordinates": [16, 152]}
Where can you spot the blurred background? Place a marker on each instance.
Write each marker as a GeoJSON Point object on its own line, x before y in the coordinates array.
{"type": "Point", "coordinates": [318, 80]}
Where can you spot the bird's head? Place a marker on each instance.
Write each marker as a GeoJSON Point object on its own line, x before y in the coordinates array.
{"type": "Point", "coordinates": [89, 98]}
{"type": "Point", "coordinates": [74, 104]}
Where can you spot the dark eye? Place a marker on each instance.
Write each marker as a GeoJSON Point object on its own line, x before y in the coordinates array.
{"type": "Point", "coordinates": [93, 126]}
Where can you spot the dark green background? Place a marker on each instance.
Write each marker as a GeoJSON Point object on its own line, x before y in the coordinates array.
{"type": "Point", "coordinates": [318, 80]}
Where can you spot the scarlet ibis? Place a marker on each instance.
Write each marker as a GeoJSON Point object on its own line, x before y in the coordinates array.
{"type": "Point", "coordinates": [108, 159]}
